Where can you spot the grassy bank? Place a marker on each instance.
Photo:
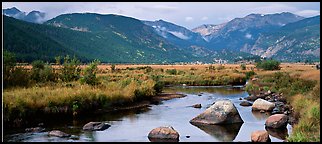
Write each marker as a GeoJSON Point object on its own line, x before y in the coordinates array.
{"type": "Point", "coordinates": [113, 86]}
{"type": "Point", "coordinates": [302, 94]}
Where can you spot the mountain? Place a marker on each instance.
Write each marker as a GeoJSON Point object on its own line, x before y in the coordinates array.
{"type": "Point", "coordinates": [33, 16]}
{"type": "Point", "coordinates": [30, 42]}
{"type": "Point", "coordinates": [242, 33]}
{"type": "Point", "coordinates": [91, 36]}
{"type": "Point", "coordinates": [293, 42]}
{"type": "Point", "coordinates": [181, 37]}
{"type": "Point", "coordinates": [208, 29]}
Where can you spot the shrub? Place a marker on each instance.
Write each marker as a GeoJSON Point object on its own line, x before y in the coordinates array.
{"type": "Point", "coordinates": [243, 66]}
{"type": "Point", "coordinates": [171, 71]}
{"type": "Point", "coordinates": [269, 65]}
{"type": "Point", "coordinates": [13, 76]}
{"type": "Point", "coordinates": [113, 67]}
{"type": "Point", "coordinates": [220, 67]}
{"type": "Point", "coordinates": [89, 76]}
{"type": "Point", "coordinates": [249, 74]}
{"type": "Point", "coordinates": [70, 70]}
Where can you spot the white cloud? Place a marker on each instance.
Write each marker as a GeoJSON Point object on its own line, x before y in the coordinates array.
{"type": "Point", "coordinates": [204, 18]}
{"type": "Point", "coordinates": [188, 19]}
{"type": "Point", "coordinates": [165, 7]}
{"type": "Point", "coordinates": [248, 36]}
{"type": "Point", "coordinates": [187, 14]}
{"type": "Point", "coordinates": [308, 13]}
{"type": "Point", "coordinates": [179, 35]}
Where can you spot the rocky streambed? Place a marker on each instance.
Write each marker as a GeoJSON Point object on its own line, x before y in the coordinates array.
{"type": "Point", "coordinates": [171, 115]}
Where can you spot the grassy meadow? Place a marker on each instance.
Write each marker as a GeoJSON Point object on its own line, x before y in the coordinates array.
{"type": "Point", "coordinates": [124, 84]}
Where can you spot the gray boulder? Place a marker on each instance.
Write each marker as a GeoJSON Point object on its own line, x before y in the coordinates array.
{"type": "Point", "coordinates": [163, 134]}
{"type": "Point", "coordinates": [221, 112]}
{"type": "Point", "coordinates": [58, 133]}
{"type": "Point", "coordinates": [261, 104]}
{"type": "Point", "coordinates": [95, 126]}
{"type": "Point", "coordinates": [246, 103]}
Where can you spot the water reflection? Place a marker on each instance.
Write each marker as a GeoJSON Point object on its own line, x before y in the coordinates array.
{"type": "Point", "coordinates": [225, 133]}
{"type": "Point", "coordinates": [261, 116]}
{"type": "Point", "coordinates": [223, 90]}
{"type": "Point", "coordinates": [278, 133]}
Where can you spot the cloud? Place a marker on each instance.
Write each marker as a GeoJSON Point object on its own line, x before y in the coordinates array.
{"type": "Point", "coordinates": [188, 19]}
{"type": "Point", "coordinates": [165, 8]}
{"type": "Point", "coordinates": [273, 8]}
{"type": "Point", "coordinates": [204, 18]}
{"type": "Point", "coordinates": [248, 36]}
{"type": "Point", "coordinates": [308, 13]}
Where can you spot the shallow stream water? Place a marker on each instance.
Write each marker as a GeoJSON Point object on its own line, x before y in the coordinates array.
{"type": "Point", "coordinates": [135, 125]}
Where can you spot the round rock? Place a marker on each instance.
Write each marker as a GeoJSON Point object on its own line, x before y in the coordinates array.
{"type": "Point", "coordinates": [221, 112]}
{"type": "Point", "coordinates": [261, 104]}
{"type": "Point", "coordinates": [163, 134]}
{"type": "Point", "coordinates": [96, 126]}
{"type": "Point", "coordinates": [260, 136]}
{"type": "Point", "coordinates": [276, 121]}
{"type": "Point", "coordinates": [58, 133]}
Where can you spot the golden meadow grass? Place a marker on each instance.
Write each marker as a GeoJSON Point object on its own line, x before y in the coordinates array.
{"type": "Point", "coordinates": [129, 81]}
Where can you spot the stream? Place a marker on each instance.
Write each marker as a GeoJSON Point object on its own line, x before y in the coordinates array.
{"type": "Point", "coordinates": [135, 125]}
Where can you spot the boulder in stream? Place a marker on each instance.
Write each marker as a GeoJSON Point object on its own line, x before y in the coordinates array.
{"type": "Point", "coordinates": [221, 112]}
{"type": "Point", "coordinates": [96, 126]}
{"type": "Point", "coordinates": [261, 104]}
{"type": "Point", "coordinates": [260, 136]}
{"type": "Point", "coordinates": [163, 134]}
{"type": "Point", "coordinates": [58, 133]}
{"type": "Point", "coordinates": [276, 121]}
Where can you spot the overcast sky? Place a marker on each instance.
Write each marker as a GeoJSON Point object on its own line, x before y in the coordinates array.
{"type": "Point", "coordinates": [187, 14]}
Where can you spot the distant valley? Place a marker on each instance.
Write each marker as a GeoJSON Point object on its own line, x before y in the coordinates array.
{"type": "Point", "coordinates": [119, 39]}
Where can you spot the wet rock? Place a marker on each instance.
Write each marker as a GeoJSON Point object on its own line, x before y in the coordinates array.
{"type": "Point", "coordinates": [96, 126]}
{"type": "Point", "coordinates": [58, 133]}
{"type": "Point", "coordinates": [197, 106]}
{"type": "Point", "coordinates": [74, 137]}
{"type": "Point", "coordinates": [35, 129]}
{"type": "Point", "coordinates": [279, 108]}
{"type": "Point", "coordinates": [251, 98]}
{"type": "Point", "coordinates": [163, 134]}
{"type": "Point", "coordinates": [240, 98]}
{"type": "Point", "coordinates": [276, 121]}
{"type": "Point", "coordinates": [245, 103]}
{"type": "Point", "coordinates": [221, 112]}
{"type": "Point", "coordinates": [281, 99]}
{"type": "Point", "coordinates": [260, 136]}
{"type": "Point", "coordinates": [261, 104]}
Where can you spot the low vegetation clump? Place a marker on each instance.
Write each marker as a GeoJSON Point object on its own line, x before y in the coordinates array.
{"type": "Point", "coordinates": [268, 65]}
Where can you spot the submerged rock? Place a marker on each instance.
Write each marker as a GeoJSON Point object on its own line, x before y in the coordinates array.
{"type": "Point", "coordinates": [197, 106]}
{"type": "Point", "coordinates": [221, 112]}
{"type": "Point", "coordinates": [163, 134]}
{"type": "Point", "coordinates": [58, 133]}
{"type": "Point", "coordinates": [245, 103]}
{"type": "Point", "coordinates": [96, 126]}
{"type": "Point", "coordinates": [35, 129]}
{"type": "Point", "coordinates": [260, 136]}
{"type": "Point", "coordinates": [261, 104]}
